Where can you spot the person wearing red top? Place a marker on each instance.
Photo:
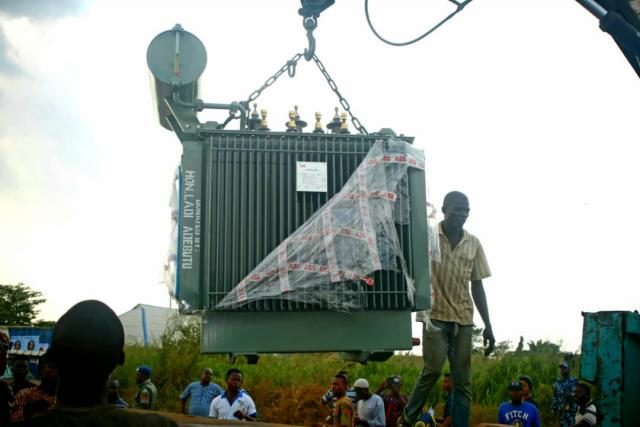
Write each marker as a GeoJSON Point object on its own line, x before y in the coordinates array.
{"type": "Point", "coordinates": [394, 402]}
{"type": "Point", "coordinates": [35, 400]}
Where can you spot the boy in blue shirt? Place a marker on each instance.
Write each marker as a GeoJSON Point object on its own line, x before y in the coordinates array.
{"type": "Point", "coordinates": [516, 412]}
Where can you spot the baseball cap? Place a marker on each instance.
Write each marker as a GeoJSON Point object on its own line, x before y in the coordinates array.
{"type": "Point", "coordinates": [395, 380]}
{"type": "Point", "coordinates": [515, 385]}
{"type": "Point", "coordinates": [144, 369]}
{"type": "Point", "coordinates": [361, 383]}
{"type": "Point", "coordinates": [563, 365]}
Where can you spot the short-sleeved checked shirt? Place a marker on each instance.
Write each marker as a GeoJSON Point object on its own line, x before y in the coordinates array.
{"type": "Point", "coordinates": [201, 397]}
{"type": "Point", "coordinates": [450, 278]}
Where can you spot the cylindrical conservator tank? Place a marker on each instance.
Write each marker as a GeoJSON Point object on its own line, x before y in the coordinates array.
{"type": "Point", "coordinates": [176, 60]}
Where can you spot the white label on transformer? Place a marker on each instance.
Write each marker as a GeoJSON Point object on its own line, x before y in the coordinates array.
{"type": "Point", "coordinates": [311, 176]}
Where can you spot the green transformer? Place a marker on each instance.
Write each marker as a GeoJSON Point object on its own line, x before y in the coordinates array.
{"type": "Point", "coordinates": [291, 241]}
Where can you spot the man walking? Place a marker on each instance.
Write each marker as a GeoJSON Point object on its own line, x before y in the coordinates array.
{"type": "Point", "coordinates": [462, 262]}
{"type": "Point", "coordinates": [147, 393]}
{"type": "Point", "coordinates": [201, 393]}
{"type": "Point", "coordinates": [563, 404]}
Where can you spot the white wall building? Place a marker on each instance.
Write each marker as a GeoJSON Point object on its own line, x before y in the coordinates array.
{"type": "Point", "coordinates": [144, 324]}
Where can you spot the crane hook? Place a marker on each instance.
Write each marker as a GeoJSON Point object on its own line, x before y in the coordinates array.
{"type": "Point", "coordinates": [310, 24]}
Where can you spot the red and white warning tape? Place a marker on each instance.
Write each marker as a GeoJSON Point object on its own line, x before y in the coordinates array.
{"type": "Point", "coordinates": [366, 220]}
{"type": "Point", "coordinates": [283, 271]}
{"type": "Point", "coordinates": [367, 235]}
{"type": "Point", "coordinates": [403, 159]}
{"type": "Point", "coordinates": [330, 249]}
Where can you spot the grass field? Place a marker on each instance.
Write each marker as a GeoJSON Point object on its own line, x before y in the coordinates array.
{"type": "Point", "coordinates": [288, 388]}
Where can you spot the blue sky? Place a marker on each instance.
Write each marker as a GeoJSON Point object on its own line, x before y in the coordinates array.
{"type": "Point", "coordinates": [526, 106]}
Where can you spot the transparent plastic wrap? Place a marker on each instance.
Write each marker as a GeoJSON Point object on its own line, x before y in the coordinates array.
{"type": "Point", "coordinates": [424, 316]}
{"type": "Point", "coordinates": [434, 238]}
{"type": "Point", "coordinates": [345, 241]}
{"type": "Point", "coordinates": [171, 262]}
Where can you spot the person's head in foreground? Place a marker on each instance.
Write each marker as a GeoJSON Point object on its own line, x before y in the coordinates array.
{"type": "Point", "coordinates": [87, 344]}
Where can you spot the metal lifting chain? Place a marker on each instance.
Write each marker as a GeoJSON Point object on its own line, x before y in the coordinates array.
{"type": "Point", "coordinates": [290, 68]}
{"type": "Point", "coordinates": [343, 100]}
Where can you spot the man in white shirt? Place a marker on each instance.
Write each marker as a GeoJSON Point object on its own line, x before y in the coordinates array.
{"type": "Point", "coordinates": [370, 407]}
{"type": "Point", "coordinates": [234, 403]}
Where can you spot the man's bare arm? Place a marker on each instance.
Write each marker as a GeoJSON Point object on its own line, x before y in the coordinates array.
{"type": "Point", "coordinates": [480, 300]}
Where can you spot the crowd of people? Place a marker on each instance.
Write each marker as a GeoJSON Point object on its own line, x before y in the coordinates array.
{"type": "Point", "coordinates": [66, 395]}
{"type": "Point", "coordinates": [88, 343]}
{"type": "Point", "coordinates": [571, 403]}
{"type": "Point", "coordinates": [75, 390]}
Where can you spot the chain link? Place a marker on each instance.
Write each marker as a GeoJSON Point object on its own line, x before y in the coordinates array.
{"type": "Point", "coordinates": [342, 99]}
{"type": "Point", "coordinates": [290, 68]}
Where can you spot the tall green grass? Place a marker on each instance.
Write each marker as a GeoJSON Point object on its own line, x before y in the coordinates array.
{"type": "Point", "coordinates": [288, 388]}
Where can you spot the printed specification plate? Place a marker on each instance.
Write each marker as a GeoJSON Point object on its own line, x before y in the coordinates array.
{"type": "Point", "coordinates": [311, 176]}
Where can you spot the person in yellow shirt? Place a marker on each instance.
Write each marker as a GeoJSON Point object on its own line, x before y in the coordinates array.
{"type": "Point", "coordinates": [463, 262]}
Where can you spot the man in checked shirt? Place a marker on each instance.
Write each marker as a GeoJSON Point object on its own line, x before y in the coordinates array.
{"type": "Point", "coordinates": [462, 262]}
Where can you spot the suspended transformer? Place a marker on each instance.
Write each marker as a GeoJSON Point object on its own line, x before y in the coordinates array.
{"type": "Point", "coordinates": [290, 241]}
